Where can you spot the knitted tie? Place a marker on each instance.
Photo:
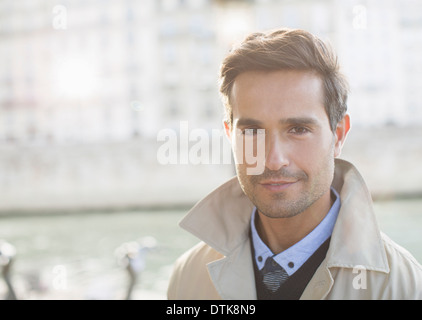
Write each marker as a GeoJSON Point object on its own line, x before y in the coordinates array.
{"type": "Point", "coordinates": [273, 275]}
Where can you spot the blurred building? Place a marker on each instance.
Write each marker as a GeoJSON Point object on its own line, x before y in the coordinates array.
{"type": "Point", "coordinates": [99, 70]}
{"type": "Point", "coordinates": [103, 77]}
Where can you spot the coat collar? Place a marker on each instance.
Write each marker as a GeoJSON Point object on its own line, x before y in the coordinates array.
{"type": "Point", "coordinates": [356, 238]}
{"type": "Point", "coordinates": [222, 220]}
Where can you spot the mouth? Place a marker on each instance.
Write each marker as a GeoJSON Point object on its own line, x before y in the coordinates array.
{"type": "Point", "coordinates": [277, 185]}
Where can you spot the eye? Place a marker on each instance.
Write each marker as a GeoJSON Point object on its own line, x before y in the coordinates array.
{"type": "Point", "coordinates": [299, 130]}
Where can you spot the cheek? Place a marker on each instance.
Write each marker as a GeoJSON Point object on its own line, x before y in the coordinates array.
{"type": "Point", "coordinates": [306, 152]}
{"type": "Point", "coordinates": [314, 158]}
{"type": "Point", "coordinates": [237, 147]}
{"type": "Point", "coordinates": [245, 180]}
{"type": "Point", "coordinates": [323, 167]}
{"type": "Point", "coordinates": [248, 150]}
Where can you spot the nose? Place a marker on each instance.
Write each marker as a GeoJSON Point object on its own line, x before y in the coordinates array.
{"type": "Point", "coordinates": [276, 155]}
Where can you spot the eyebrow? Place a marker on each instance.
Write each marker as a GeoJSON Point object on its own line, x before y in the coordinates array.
{"type": "Point", "coordinates": [290, 121]}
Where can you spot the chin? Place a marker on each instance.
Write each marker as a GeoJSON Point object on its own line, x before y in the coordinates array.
{"type": "Point", "coordinates": [279, 212]}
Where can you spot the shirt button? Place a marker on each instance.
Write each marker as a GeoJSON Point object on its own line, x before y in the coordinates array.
{"type": "Point", "coordinates": [273, 263]}
{"type": "Point", "coordinates": [260, 259]}
{"type": "Point", "coordinates": [291, 264]}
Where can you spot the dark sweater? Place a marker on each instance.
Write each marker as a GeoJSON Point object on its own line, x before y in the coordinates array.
{"type": "Point", "coordinates": [294, 286]}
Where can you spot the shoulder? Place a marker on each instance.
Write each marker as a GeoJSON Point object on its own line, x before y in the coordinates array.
{"type": "Point", "coordinates": [405, 271]}
{"type": "Point", "coordinates": [190, 278]}
{"type": "Point", "coordinates": [397, 255]}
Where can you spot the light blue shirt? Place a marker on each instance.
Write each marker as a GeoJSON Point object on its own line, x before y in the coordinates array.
{"type": "Point", "coordinates": [294, 257]}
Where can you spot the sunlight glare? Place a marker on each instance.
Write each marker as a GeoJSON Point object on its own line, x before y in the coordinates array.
{"type": "Point", "coordinates": [75, 77]}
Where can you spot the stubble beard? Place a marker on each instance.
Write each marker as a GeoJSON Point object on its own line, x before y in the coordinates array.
{"type": "Point", "coordinates": [285, 204]}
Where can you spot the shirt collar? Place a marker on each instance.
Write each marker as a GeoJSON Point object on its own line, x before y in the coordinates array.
{"type": "Point", "coordinates": [294, 257]}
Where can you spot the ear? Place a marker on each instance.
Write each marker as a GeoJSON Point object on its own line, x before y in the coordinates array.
{"type": "Point", "coordinates": [342, 130]}
{"type": "Point", "coordinates": [228, 129]}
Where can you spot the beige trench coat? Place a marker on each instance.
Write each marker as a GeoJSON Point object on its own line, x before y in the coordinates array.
{"type": "Point", "coordinates": [361, 262]}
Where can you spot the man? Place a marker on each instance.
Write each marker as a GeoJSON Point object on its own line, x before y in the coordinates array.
{"type": "Point", "coordinates": [303, 227]}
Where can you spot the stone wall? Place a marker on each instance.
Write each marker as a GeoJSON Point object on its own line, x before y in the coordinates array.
{"type": "Point", "coordinates": [113, 176]}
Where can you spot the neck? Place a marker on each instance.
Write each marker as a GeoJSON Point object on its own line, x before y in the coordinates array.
{"type": "Point", "coordinates": [280, 234]}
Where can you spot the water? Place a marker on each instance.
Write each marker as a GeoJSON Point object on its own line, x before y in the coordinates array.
{"type": "Point", "coordinates": [402, 222]}
{"type": "Point", "coordinates": [72, 256]}
{"type": "Point", "coordinates": [83, 246]}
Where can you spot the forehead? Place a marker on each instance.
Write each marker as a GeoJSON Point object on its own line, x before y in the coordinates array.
{"type": "Point", "coordinates": [285, 83]}
{"type": "Point", "coordinates": [275, 92]}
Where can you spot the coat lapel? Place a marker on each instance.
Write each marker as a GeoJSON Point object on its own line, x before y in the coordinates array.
{"type": "Point", "coordinates": [233, 276]}
{"type": "Point", "coordinates": [320, 284]}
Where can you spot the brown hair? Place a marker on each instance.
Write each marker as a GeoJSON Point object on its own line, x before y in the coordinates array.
{"type": "Point", "coordinates": [292, 49]}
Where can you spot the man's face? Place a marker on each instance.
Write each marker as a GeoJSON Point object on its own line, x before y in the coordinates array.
{"type": "Point", "coordinates": [299, 145]}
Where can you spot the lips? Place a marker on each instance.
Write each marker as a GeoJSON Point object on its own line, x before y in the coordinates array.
{"type": "Point", "coordinates": [276, 185]}
{"type": "Point", "coordinates": [276, 182]}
